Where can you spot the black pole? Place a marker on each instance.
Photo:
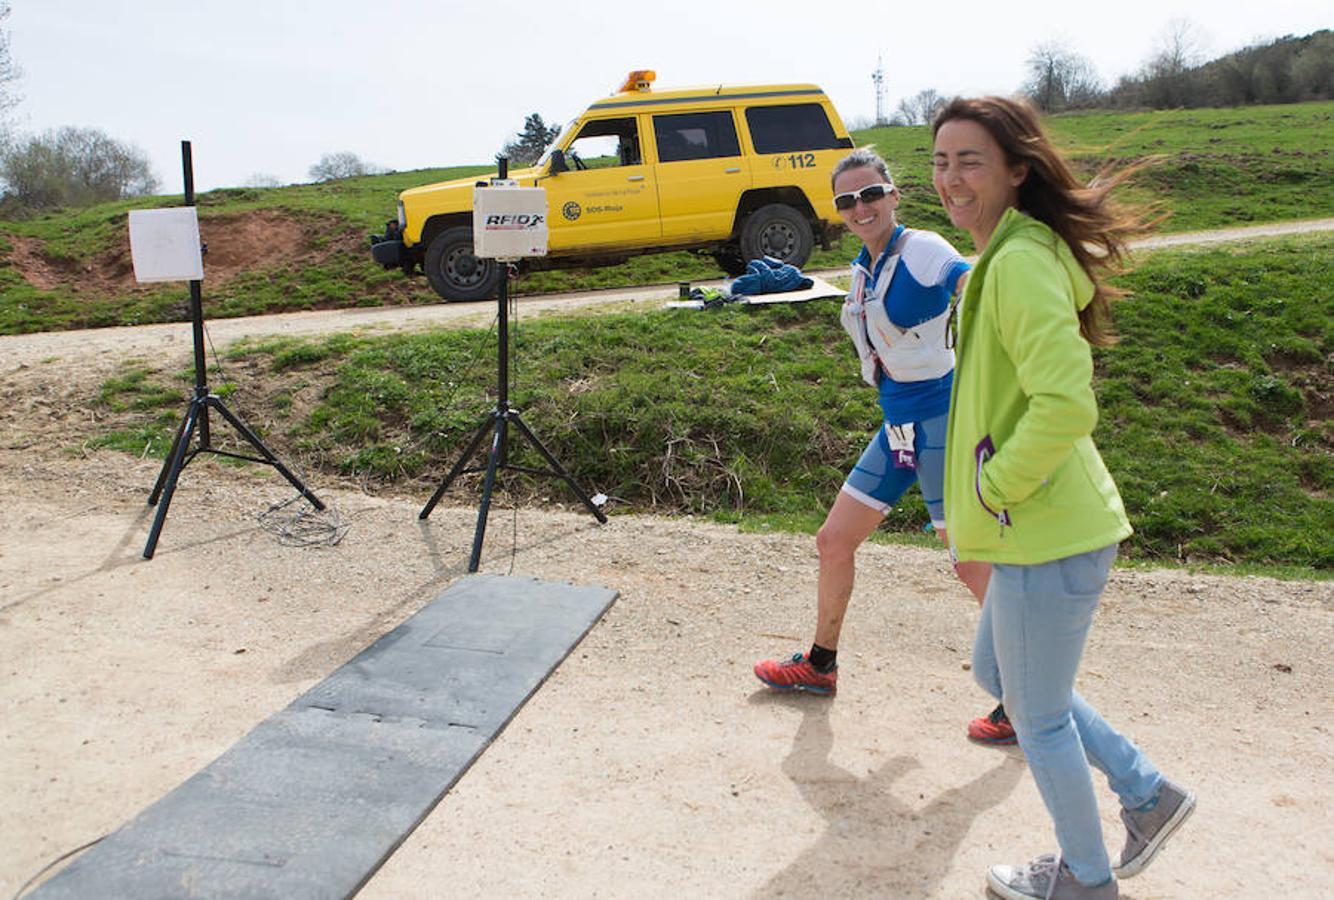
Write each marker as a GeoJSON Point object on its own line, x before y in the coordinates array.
{"type": "Point", "coordinates": [196, 304]}
{"type": "Point", "coordinates": [503, 363]}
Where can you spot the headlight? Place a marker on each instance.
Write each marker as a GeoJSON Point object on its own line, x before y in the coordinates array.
{"type": "Point", "coordinates": [402, 217]}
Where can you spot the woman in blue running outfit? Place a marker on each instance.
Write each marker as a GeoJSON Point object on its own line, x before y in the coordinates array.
{"type": "Point", "coordinates": [903, 285]}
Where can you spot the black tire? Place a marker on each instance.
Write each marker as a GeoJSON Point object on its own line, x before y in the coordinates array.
{"type": "Point", "coordinates": [779, 231]}
{"type": "Point", "coordinates": [454, 272]}
{"type": "Point", "coordinates": [729, 260]}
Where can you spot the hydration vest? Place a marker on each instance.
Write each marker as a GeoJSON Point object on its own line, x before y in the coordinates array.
{"type": "Point", "coordinates": [918, 353]}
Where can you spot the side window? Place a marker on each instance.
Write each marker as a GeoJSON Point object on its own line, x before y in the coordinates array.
{"type": "Point", "coordinates": [798, 126]}
{"type": "Point", "coordinates": [606, 143]}
{"type": "Point", "coordinates": [705, 135]}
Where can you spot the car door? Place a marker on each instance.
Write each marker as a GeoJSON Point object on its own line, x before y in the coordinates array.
{"type": "Point", "coordinates": [607, 197]}
{"type": "Point", "coordinates": [701, 174]}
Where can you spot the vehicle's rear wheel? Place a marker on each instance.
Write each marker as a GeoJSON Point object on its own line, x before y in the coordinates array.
{"type": "Point", "coordinates": [729, 259]}
{"type": "Point", "coordinates": [779, 231]}
{"type": "Point", "coordinates": [454, 272]}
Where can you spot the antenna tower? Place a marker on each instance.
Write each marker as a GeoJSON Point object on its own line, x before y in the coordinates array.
{"type": "Point", "coordinates": [878, 76]}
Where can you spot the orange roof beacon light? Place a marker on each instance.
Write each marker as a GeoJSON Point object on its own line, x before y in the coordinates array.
{"type": "Point", "coordinates": [638, 80]}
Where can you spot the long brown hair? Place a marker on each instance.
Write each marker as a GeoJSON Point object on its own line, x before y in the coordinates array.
{"type": "Point", "coordinates": [1095, 227]}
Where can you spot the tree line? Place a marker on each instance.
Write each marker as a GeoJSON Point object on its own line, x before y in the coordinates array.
{"type": "Point", "coordinates": [1287, 70]}
{"type": "Point", "coordinates": [74, 167]}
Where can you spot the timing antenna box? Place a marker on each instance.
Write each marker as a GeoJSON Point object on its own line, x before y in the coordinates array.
{"type": "Point", "coordinates": [509, 221]}
{"type": "Point", "coordinates": [164, 244]}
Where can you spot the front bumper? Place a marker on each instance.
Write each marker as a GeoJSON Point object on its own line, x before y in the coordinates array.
{"type": "Point", "coordinates": [389, 250]}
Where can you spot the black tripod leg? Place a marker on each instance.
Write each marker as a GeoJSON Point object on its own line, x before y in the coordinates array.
{"type": "Point", "coordinates": [559, 469]}
{"type": "Point", "coordinates": [171, 455]}
{"type": "Point", "coordinates": [259, 445]}
{"type": "Point", "coordinates": [205, 440]}
{"type": "Point", "coordinates": [458, 467]}
{"type": "Point", "coordinates": [173, 472]}
{"type": "Point", "coordinates": [492, 463]}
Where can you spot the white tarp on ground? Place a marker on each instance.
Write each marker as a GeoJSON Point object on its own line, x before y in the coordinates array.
{"type": "Point", "coordinates": [820, 290]}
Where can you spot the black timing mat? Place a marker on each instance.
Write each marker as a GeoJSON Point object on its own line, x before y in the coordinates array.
{"type": "Point", "coordinates": [314, 799]}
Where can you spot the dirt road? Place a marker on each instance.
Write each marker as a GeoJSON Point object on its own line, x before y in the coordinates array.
{"type": "Point", "coordinates": [651, 764]}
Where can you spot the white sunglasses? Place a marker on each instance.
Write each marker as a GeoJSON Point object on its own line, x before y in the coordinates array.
{"type": "Point", "coordinates": [869, 194]}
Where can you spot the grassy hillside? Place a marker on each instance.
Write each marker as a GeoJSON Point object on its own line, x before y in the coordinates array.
{"type": "Point", "coordinates": [305, 247]}
{"type": "Point", "coordinates": [1214, 168]}
{"type": "Point", "coordinates": [1216, 407]}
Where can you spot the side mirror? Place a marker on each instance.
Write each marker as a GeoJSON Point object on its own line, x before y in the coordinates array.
{"type": "Point", "coordinates": [558, 163]}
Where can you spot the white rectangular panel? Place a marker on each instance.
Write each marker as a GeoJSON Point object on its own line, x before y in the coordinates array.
{"type": "Point", "coordinates": [509, 221]}
{"type": "Point", "coordinates": [164, 244]}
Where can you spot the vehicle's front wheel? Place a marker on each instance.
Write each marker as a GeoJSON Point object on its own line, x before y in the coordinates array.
{"type": "Point", "coordinates": [779, 231]}
{"type": "Point", "coordinates": [454, 272]}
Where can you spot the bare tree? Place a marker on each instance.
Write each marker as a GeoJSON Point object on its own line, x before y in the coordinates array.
{"type": "Point", "coordinates": [262, 180]}
{"type": "Point", "coordinates": [1059, 78]}
{"type": "Point", "coordinates": [1180, 47]}
{"type": "Point", "coordinates": [74, 167]}
{"type": "Point", "coordinates": [333, 166]}
{"type": "Point", "coordinates": [1166, 74]}
{"type": "Point", "coordinates": [919, 109]}
{"type": "Point", "coordinates": [9, 72]}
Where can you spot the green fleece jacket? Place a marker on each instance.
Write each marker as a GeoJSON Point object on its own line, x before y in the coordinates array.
{"type": "Point", "coordinates": [1024, 483]}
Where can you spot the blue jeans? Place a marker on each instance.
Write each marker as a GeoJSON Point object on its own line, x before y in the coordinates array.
{"type": "Point", "coordinates": [1030, 638]}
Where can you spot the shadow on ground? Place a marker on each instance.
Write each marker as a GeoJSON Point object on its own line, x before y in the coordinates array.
{"type": "Point", "coordinates": [873, 836]}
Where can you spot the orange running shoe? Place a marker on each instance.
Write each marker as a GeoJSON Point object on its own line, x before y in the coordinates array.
{"type": "Point", "coordinates": [993, 729]}
{"type": "Point", "coordinates": [796, 674]}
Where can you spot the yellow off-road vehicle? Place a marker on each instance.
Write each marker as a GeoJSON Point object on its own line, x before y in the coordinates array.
{"type": "Point", "coordinates": [735, 172]}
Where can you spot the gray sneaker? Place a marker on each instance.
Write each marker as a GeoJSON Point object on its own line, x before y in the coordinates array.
{"type": "Point", "coordinates": [1146, 832]}
{"type": "Point", "coordinates": [1045, 878]}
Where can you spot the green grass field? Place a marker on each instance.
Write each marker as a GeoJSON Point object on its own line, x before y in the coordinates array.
{"type": "Point", "coordinates": [1215, 407]}
{"type": "Point", "coordinates": [1213, 169]}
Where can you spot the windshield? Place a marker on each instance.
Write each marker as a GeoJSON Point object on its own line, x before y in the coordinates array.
{"type": "Point", "coordinates": [560, 139]}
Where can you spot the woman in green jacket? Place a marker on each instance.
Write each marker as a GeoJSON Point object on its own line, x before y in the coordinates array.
{"type": "Point", "coordinates": [1025, 487]}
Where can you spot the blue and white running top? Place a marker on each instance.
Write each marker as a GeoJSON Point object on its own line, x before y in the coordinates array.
{"type": "Point", "coordinates": [896, 313]}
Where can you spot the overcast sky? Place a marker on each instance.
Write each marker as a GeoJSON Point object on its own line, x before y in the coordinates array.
{"type": "Point", "coordinates": [267, 86]}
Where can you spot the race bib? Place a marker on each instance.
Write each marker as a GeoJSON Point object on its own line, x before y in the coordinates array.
{"type": "Point", "coordinates": [901, 440]}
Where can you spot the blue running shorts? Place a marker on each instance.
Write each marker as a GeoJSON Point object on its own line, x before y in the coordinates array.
{"type": "Point", "coordinates": [878, 483]}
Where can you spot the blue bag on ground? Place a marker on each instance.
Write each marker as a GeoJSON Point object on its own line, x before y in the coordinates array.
{"type": "Point", "coordinates": [770, 276]}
